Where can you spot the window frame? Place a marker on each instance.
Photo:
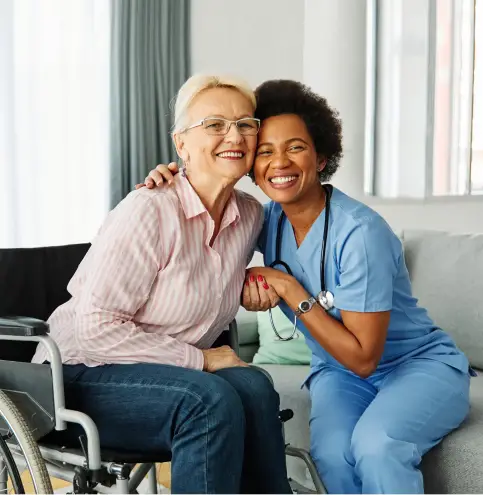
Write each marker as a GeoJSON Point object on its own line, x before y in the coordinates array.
{"type": "Point", "coordinates": [370, 189]}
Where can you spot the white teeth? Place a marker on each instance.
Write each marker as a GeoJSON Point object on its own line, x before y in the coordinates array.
{"type": "Point", "coordinates": [283, 180]}
{"type": "Point", "coordinates": [231, 154]}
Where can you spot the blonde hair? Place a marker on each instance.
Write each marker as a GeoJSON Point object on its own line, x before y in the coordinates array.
{"type": "Point", "coordinates": [201, 82]}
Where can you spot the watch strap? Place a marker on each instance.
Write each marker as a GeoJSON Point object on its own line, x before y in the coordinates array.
{"type": "Point", "coordinates": [300, 310]}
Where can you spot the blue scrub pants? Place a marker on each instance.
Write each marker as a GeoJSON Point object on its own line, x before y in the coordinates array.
{"type": "Point", "coordinates": [368, 435]}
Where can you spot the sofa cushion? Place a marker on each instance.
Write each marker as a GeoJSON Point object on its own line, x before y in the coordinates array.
{"type": "Point", "coordinates": [455, 465]}
{"type": "Point", "coordinates": [446, 271]}
{"type": "Point", "coordinates": [272, 350]}
{"type": "Point", "coordinates": [287, 381]}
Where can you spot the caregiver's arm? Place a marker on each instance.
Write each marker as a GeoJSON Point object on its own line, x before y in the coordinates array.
{"type": "Point", "coordinates": [120, 269]}
{"type": "Point", "coordinates": [159, 175]}
{"type": "Point", "coordinates": [368, 263]}
{"type": "Point", "coordinates": [357, 342]}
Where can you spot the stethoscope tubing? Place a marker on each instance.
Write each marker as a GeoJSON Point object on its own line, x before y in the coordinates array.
{"type": "Point", "coordinates": [325, 298]}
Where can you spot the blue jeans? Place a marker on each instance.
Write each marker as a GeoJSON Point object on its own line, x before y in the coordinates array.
{"type": "Point", "coordinates": [368, 436]}
{"type": "Point", "coordinates": [222, 428]}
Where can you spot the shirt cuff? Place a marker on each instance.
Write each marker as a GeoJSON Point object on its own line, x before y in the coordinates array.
{"type": "Point", "coordinates": [194, 358]}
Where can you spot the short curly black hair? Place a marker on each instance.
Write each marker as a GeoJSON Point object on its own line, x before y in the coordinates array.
{"type": "Point", "coordinates": [281, 97]}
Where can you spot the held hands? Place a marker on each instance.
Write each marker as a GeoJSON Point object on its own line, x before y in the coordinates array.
{"type": "Point", "coordinates": [264, 287]}
{"type": "Point", "coordinates": [257, 294]}
{"type": "Point", "coordinates": [161, 174]}
{"type": "Point", "coordinates": [221, 357]}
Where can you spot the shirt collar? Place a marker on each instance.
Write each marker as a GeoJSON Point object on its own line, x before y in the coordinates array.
{"type": "Point", "coordinates": [192, 205]}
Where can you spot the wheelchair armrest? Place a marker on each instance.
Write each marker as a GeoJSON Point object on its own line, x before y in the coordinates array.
{"type": "Point", "coordinates": [233, 337]}
{"type": "Point", "coordinates": [22, 326]}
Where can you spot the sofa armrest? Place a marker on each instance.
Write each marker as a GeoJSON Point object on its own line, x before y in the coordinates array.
{"type": "Point", "coordinates": [22, 326]}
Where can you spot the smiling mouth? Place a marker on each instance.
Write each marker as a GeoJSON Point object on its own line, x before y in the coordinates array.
{"type": "Point", "coordinates": [231, 155]}
{"type": "Point", "coordinates": [283, 180]}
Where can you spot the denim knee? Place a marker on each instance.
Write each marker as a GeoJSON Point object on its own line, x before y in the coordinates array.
{"type": "Point", "coordinates": [254, 387]}
{"type": "Point", "coordinates": [222, 402]}
{"type": "Point", "coordinates": [261, 389]}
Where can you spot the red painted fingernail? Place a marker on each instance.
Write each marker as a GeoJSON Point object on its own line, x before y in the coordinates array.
{"type": "Point", "coordinates": [265, 286]}
{"type": "Point", "coordinates": [246, 283]}
{"type": "Point", "coordinates": [252, 278]}
{"type": "Point", "coordinates": [260, 278]}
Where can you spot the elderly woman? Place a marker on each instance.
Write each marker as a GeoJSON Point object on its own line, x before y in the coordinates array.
{"type": "Point", "coordinates": [160, 283]}
{"type": "Point", "coordinates": [386, 383]}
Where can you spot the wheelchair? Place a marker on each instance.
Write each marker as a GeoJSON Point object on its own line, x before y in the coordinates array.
{"type": "Point", "coordinates": [33, 282]}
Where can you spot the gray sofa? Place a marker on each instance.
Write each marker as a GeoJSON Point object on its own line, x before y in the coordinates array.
{"type": "Point", "coordinates": [447, 277]}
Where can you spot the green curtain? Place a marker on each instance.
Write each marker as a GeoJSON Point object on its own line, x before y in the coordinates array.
{"type": "Point", "coordinates": [149, 62]}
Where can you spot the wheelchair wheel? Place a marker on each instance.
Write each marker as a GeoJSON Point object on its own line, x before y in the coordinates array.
{"type": "Point", "coordinates": [23, 469]}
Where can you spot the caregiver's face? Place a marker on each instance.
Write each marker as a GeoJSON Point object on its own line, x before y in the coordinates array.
{"type": "Point", "coordinates": [211, 147]}
{"type": "Point", "coordinates": [286, 161]}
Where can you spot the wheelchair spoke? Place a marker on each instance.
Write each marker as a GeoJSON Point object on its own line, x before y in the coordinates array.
{"type": "Point", "coordinates": [22, 469]}
{"type": "Point", "coordinates": [24, 473]}
{"type": "Point", "coordinates": [20, 480]}
{"type": "Point", "coordinates": [4, 482]}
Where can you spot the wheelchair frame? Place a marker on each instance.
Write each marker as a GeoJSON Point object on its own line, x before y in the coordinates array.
{"type": "Point", "coordinates": [89, 471]}
{"type": "Point", "coordinates": [67, 465]}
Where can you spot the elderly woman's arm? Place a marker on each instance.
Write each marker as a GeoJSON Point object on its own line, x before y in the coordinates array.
{"type": "Point", "coordinates": [119, 271]}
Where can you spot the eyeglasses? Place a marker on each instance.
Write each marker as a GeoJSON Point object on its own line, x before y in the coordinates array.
{"type": "Point", "coordinates": [218, 126]}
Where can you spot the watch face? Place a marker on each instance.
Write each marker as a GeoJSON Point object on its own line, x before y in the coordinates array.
{"type": "Point", "coordinates": [304, 306]}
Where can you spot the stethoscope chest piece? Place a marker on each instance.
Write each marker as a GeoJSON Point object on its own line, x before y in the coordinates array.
{"type": "Point", "coordinates": [326, 299]}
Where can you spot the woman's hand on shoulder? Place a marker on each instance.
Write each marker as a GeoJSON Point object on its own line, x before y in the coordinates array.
{"type": "Point", "coordinates": [159, 175]}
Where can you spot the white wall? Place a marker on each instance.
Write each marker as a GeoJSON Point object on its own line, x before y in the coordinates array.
{"type": "Point", "coordinates": [458, 215]}
{"type": "Point", "coordinates": [322, 43]}
{"type": "Point", "coordinates": [257, 39]}
{"type": "Point", "coordinates": [334, 66]}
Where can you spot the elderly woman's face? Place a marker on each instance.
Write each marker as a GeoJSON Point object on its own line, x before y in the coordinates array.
{"type": "Point", "coordinates": [228, 156]}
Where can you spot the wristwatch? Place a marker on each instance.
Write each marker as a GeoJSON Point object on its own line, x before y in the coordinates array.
{"type": "Point", "coordinates": [305, 306]}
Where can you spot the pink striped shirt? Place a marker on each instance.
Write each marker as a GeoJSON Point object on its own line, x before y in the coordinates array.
{"type": "Point", "coordinates": [151, 289]}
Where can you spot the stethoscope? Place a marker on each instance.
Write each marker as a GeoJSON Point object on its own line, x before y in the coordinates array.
{"type": "Point", "coordinates": [325, 298]}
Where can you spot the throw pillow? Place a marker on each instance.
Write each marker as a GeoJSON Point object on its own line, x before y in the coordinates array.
{"type": "Point", "coordinates": [275, 351]}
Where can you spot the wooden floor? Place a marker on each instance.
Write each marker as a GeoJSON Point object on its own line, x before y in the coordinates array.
{"type": "Point", "coordinates": [164, 474]}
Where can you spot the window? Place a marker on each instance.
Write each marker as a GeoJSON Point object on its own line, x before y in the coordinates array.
{"type": "Point", "coordinates": [54, 123]}
{"type": "Point", "coordinates": [477, 113]}
{"type": "Point", "coordinates": [425, 81]}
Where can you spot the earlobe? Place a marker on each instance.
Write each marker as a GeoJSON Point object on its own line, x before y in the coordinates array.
{"type": "Point", "coordinates": [178, 143]}
{"type": "Point", "coordinates": [180, 147]}
{"type": "Point", "coordinates": [322, 164]}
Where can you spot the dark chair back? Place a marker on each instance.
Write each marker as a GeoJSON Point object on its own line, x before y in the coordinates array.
{"type": "Point", "coordinates": [33, 282]}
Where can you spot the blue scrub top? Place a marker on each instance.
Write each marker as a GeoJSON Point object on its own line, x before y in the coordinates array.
{"type": "Point", "coordinates": [366, 272]}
